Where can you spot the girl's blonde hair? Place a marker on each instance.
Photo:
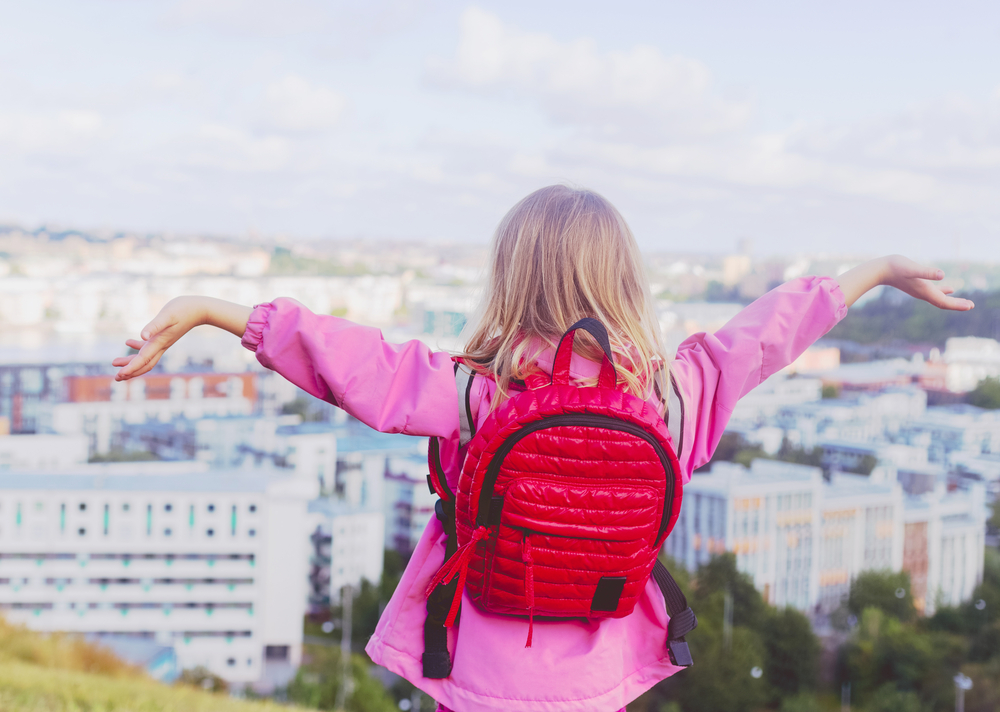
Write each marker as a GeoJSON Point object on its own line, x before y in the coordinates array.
{"type": "Point", "coordinates": [559, 255]}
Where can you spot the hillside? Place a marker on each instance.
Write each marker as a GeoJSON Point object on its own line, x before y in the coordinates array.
{"type": "Point", "coordinates": [895, 317]}
{"type": "Point", "coordinates": [60, 673]}
{"type": "Point", "coordinates": [32, 688]}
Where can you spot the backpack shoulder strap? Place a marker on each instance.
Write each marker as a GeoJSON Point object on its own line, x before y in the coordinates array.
{"type": "Point", "coordinates": [464, 376]}
{"type": "Point", "coordinates": [666, 391]}
{"type": "Point", "coordinates": [682, 618]}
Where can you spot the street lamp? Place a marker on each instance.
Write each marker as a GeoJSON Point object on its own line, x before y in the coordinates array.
{"type": "Point", "coordinates": [962, 683]}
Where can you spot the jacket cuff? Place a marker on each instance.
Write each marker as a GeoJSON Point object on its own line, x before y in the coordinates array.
{"type": "Point", "coordinates": [255, 326]}
{"type": "Point", "coordinates": [838, 297]}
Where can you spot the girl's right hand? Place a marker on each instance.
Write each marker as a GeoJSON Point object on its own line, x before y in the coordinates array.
{"type": "Point", "coordinates": [175, 319]}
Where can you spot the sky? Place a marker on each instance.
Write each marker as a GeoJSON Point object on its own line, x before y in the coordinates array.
{"type": "Point", "coordinates": [861, 127]}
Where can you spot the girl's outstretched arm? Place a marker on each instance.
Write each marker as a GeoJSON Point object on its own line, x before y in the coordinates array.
{"type": "Point", "coordinates": [175, 319]}
{"type": "Point", "coordinates": [905, 275]}
{"type": "Point", "coordinates": [399, 388]}
{"type": "Point", "coordinates": [711, 372]}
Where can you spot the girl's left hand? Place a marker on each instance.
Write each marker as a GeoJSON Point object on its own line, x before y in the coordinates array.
{"type": "Point", "coordinates": [918, 281]}
{"type": "Point", "coordinates": [905, 275]}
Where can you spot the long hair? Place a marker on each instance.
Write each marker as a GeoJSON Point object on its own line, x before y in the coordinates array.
{"type": "Point", "coordinates": [560, 255]}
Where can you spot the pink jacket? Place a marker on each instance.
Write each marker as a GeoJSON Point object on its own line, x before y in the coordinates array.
{"type": "Point", "coordinates": [408, 388]}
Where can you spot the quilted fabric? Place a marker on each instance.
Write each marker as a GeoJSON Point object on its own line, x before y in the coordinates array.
{"type": "Point", "coordinates": [589, 498]}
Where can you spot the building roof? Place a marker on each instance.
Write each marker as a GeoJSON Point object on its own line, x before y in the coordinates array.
{"type": "Point", "coordinates": [185, 480]}
{"type": "Point", "coordinates": [847, 485]}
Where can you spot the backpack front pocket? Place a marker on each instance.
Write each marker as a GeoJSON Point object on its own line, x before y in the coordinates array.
{"type": "Point", "coordinates": [571, 548]}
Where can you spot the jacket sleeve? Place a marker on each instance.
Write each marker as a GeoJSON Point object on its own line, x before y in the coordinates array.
{"type": "Point", "coordinates": [711, 372]}
{"type": "Point", "coordinates": [404, 388]}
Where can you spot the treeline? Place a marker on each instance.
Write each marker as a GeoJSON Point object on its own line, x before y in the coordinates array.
{"type": "Point", "coordinates": [893, 316]}
{"type": "Point", "coordinates": [892, 659]}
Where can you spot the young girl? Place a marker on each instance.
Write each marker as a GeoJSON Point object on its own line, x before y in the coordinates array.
{"type": "Point", "coordinates": [559, 255]}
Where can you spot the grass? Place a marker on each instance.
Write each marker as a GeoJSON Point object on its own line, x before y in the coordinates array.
{"type": "Point", "coordinates": [31, 688]}
{"type": "Point", "coordinates": [64, 673]}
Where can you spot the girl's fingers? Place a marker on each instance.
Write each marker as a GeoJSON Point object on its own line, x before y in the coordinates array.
{"type": "Point", "coordinates": [134, 344]}
{"type": "Point", "coordinates": [122, 360]}
{"type": "Point", "coordinates": [158, 324]}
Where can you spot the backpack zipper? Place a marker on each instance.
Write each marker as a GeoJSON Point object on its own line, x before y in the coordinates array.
{"type": "Point", "coordinates": [590, 420]}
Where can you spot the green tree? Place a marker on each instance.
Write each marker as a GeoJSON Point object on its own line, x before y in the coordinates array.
{"type": "Point", "coordinates": [986, 394]}
{"type": "Point", "coordinates": [792, 652]}
{"type": "Point", "coordinates": [888, 699]}
{"type": "Point", "coordinates": [317, 683]}
{"type": "Point", "coordinates": [884, 650]}
{"type": "Point", "coordinates": [880, 589]}
{"type": "Point", "coordinates": [720, 574]}
{"type": "Point", "coordinates": [803, 702]}
{"type": "Point", "coordinates": [831, 391]}
{"type": "Point", "coordinates": [994, 521]}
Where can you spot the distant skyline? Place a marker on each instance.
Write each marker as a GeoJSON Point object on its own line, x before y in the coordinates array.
{"type": "Point", "coordinates": [860, 127]}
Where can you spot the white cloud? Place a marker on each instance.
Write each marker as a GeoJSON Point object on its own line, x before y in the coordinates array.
{"type": "Point", "coordinates": [268, 18]}
{"type": "Point", "coordinates": [62, 132]}
{"type": "Point", "coordinates": [642, 115]}
{"type": "Point", "coordinates": [293, 104]}
{"type": "Point", "coordinates": [231, 148]}
{"type": "Point", "coordinates": [579, 84]}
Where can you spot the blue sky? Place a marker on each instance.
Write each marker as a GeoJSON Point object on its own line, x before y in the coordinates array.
{"type": "Point", "coordinates": [854, 127]}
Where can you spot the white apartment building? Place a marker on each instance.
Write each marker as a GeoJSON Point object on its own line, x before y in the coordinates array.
{"type": "Point", "coordinates": [214, 562]}
{"type": "Point", "coordinates": [803, 540]}
{"type": "Point", "coordinates": [348, 546]}
{"type": "Point", "coordinates": [127, 402]}
{"type": "Point", "coordinates": [947, 431]}
{"type": "Point", "coordinates": [763, 403]}
{"type": "Point", "coordinates": [944, 544]}
{"type": "Point", "coordinates": [861, 529]}
{"type": "Point", "coordinates": [968, 360]}
{"type": "Point", "coordinates": [768, 517]}
{"type": "Point", "coordinates": [42, 452]}
{"type": "Point", "coordinates": [409, 502]}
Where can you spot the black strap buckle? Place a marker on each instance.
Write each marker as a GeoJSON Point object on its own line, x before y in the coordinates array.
{"type": "Point", "coordinates": [679, 653]}
{"type": "Point", "coordinates": [437, 664]}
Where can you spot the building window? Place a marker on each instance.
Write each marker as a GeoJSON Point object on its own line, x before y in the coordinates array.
{"type": "Point", "coordinates": [209, 532]}
{"type": "Point", "coordinates": [252, 532]}
{"type": "Point", "coordinates": [253, 508]}
{"type": "Point", "coordinates": [168, 531]}
{"type": "Point", "coordinates": [82, 531]}
{"type": "Point", "coordinates": [276, 652]}
{"type": "Point", "coordinates": [211, 508]}
{"type": "Point", "coordinates": [125, 506]}
{"type": "Point", "coordinates": [168, 507]}
{"type": "Point", "coordinates": [231, 661]}
{"type": "Point", "coordinates": [83, 506]}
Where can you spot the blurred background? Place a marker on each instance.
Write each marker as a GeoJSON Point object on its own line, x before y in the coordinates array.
{"type": "Point", "coordinates": [212, 527]}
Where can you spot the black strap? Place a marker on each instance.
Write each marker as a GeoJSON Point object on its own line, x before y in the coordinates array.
{"type": "Point", "coordinates": [682, 618]}
{"type": "Point", "coordinates": [595, 329]}
{"type": "Point", "coordinates": [436, 661]}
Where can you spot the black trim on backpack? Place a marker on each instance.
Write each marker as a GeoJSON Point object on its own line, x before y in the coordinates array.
{"type": "Point", "coordinates": [463, 387]}
{"type": "Point", "coordinates": [595, 329]}
{"type": "Point", "coordinates": [675, 392]}
{"type": "Point", "coordinates": [682, 618]}
{"type": "Point", "coordinates": [595, 420]}
{"type": "Point", "coordinates": [436, 660]}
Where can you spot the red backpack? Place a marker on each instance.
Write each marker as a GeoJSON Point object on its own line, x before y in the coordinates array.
{"type": "Point", "coordinates": [565, 498]}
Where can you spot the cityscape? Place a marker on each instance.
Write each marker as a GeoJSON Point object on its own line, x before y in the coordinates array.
{"type": "Point", "coordinates": [192, 519]}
